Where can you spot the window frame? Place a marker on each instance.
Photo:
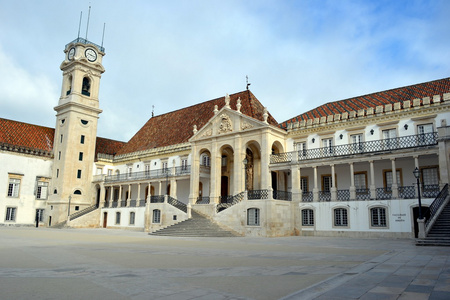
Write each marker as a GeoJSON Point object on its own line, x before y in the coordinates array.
{"type": "Point", "coordinates": [344, 217]}
{"type": "Point", "coordinates": [156, 216]}
{"type": "Point", "coordinates": [41, 185]}
{"type": "Point", "coordinates": [399, 178]}
{"type": "Point", "coordinates": [308, 217]}
{"type": "Point", "coordinates": [382, 219]}
{"type": "Point", "coordinates": [14, 184]}
{"type": "Point", "coordinates": [118, 217]}
{"type": "Point", "coordinates": [254, 220]}
{"type": "Point", "coordinates": [11, 214]}
{"type": "Point", "coordinates": [132, 220]}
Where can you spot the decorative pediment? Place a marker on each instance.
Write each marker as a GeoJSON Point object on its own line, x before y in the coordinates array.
{"type": "Point", "coordinates": [225, 124]}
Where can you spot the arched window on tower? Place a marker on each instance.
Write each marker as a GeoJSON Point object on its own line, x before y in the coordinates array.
{"type": "Point", "coordinates": [69, 85]}
{"type": "Point", "coordinates": [86, 88]}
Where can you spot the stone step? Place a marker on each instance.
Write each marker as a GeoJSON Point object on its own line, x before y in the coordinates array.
{"type": "Point", "coordinates": [197, 226]}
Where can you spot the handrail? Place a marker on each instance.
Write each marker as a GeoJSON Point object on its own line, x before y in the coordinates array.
{"type": "Point", "coordinates": [404, 142]}
{"type": "Point", "coordinates": [83, 212]}
{"type": "Point", "coordinates": [435, 206]}
{"type": "Point", "coordinates": [230, 202]}
{"type": "Point", "coordinates": [175, 203]}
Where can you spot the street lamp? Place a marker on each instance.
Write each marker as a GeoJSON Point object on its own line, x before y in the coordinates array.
{"type": "Point", "coordinates": [416, 173]}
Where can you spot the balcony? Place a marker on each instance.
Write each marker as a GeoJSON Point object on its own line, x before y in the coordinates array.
{"type": "Point", "coordinates": [148, 175]}
{"type": "Point", "coordinates": [405, 142]}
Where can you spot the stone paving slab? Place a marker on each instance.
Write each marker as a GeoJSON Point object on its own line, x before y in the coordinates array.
{"type": "Point", "coordinates": [43, 263]}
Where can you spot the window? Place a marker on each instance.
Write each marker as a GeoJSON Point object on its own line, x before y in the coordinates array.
{"type": "Point", "coordinates": [147, 169]}
{"type": "Point", "coordinates": [130, 171]}
{"type": "Point", "coordinates": [40, 215]}
{"type": "Point", "coordinates": [57, 173]}
{"type": "Point", "coordinates": [224, 161]}
{"type": "Point", "coordinates": [42, 190]}
{"type": "Point", "coordinates": [82, 139]}
{"type": "Point", "coordinates": [80, 156]}
{"type": "Point", "coordinates": [110, 172]}
{"type": "Point", "coordinates": [340, 217]}
{"type": "Point", "coordinates": [156, 216]}
{"type": "Point", "coordinates": [13, 187]}
{"type": "Point", "coordinates": [326, 183]}
{"type": "Point", "coordinates": [86, 88]}
{"type": "Point", "coordinates": [304, 184]}
{"type": "Point", "coordinates": [84, 122]}
{"type": "Point", "coordinates": [206, 160]}
{"type": "Point", "coordinates": [59, 155]}
{"type": "Point", "coordinates": [132, 217]}
{"type": "Point", "coordinates": [357, 143]}
{"type": "Point", "coordinates": [388, 180]}
{"type": "Point", "coordinates": [253, 217]}
{"type": "Point", "coordinates": [77, 192]}
{"type": "Point", "coordinates": [10, 214]}
{"type": "Point", "coordinates": [425, 134]}
{"type": "Point", "coordinates": [184, 164]}
{"type": "Point", "coordinates": [327, 145]}
{"type": "Point", "coordinates": [61, 138]}
{"type": "Point", "coordinates": [165, 166]}
{"type": "Point", "coordinates": [430, 176]}
{"type": "Point", "coordinates": [360, 180]}
{"type": "Point", "coordinates": [301, 149]}
{"type": "Point", "coordinates": [117, 218]}
{"type": "Point", "coordinates": [389, 137]}
{"type": "Point", "coordinates": [307, 217]}
{"type": "Point", "coordinates": [378, 217]}
{"type": "Point", "coordinates": [79, 174]}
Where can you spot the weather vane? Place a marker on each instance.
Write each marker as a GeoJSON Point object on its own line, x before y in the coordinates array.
{"type": "Point", "coordinates": [248, 84]}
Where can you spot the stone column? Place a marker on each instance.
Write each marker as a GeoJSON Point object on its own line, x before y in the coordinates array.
{"type": "Point", "coordinates": [238, 166]}
{"type": "Point", "coordinates": [316, 188]}
{"type": "Point", "coordinates": [138, 198]}
{"type": "Point", "coordinates": [173, 188]}
{"type": "Point", "coordinates": [215, 177]}
{"type": "Point", "coordinates": [195, 175]}
{"type": "Point", "coordinates": [373, 190]}
{"type": "Point", "coordinates": [394, 180]}
{"type": "Point", "coordinates": [333, 189]}
{"type": "Point", "coordinates": [444, 153]}
{"type": "Point", "coordinates": [266, 181]}
{"type": "Point", "coordinates": [127, 204]}
{"type": "Point", "coordinates": [111, 196]}
{"type": "Point", "coordinates": [295, 183]}
{"type": "Point", "coordinates": [119, 200]}
{"type": "Point", "coordinates": [352, 183]}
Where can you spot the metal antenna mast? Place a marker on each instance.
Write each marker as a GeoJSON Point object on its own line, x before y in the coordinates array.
{"type": "Point", "coordinates": [79, 25]}
{"type": "Point", "coordinates": [87, 27]}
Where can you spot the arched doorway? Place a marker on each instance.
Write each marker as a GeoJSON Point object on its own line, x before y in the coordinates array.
{"type": "Point", "coordinates": [226, 173]}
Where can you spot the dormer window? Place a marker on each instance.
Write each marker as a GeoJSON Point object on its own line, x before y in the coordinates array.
{"type": "Point", "coordinates": [86, 88]}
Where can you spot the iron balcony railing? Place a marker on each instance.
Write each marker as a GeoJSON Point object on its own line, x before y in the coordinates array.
{"type": "Point", "coordinates": [231, 201]}
{"type": "Point", "coordinates": [202, 200]}
{"type": "Point", "coordinates": [282, 195]}
{"type": "Point", "coordinates": [258, 194]}
{"type": "Point", "coordinates": [151, 174]}
{"type": "Point", "coordinates": [405, 142]}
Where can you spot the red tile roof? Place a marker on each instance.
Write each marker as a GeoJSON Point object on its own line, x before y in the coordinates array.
{"type": "Point", "coordinates": [26, 135]}
{"type": "Point", "coordinates": [421, 90]}
{"type": "Point", "coordinates": [36, 137]}
{"type": "Point", "coordinates": [176, 127]}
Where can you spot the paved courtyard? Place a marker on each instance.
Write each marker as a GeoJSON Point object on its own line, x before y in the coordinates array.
{"type": "Point", "coordinates": [42, 263]}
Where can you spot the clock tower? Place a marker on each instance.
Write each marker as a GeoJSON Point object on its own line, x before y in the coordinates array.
{"type": "Point", "coordinates": [77, 114]}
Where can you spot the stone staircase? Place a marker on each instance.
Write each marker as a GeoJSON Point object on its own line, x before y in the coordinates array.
{"type": "Point", "coordinates": [439, 234]}
{"type": "Point", "coordinates": [197, 226]}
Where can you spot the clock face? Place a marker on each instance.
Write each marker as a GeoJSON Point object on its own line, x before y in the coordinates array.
{"type": "Point", "coordinates": [71, 54]}
{"type": "Point", "coordinates": [91, 55]}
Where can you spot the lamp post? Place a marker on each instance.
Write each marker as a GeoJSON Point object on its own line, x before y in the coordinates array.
{"type": "Point", "coordinates": [416, 173]}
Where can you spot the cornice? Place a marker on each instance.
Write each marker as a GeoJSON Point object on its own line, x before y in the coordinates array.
{"type": "Point", "coordinates": [421, 112]}
{"type": "Point", "coordinates": [152, 152]}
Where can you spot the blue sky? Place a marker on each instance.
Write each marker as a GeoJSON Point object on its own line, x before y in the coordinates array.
{"type": "Point", "coordinates": [171, 54]}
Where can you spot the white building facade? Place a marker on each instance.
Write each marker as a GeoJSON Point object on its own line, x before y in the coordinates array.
{"type": "Point", "coordinates": [342, 169]}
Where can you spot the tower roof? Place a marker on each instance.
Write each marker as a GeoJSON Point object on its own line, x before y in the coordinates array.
{"type": "Point", "coordinates": [176, 127]}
